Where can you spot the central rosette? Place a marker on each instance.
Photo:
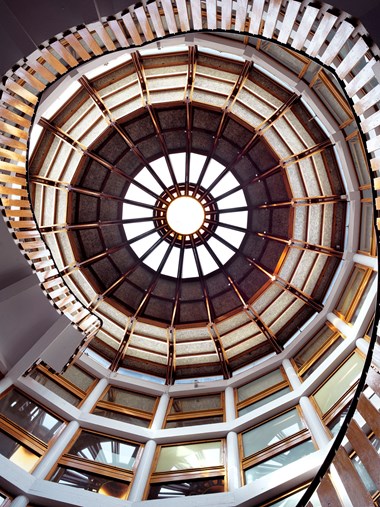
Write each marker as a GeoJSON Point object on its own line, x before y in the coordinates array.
{"type": "Point", "coordinates": [185, 215]}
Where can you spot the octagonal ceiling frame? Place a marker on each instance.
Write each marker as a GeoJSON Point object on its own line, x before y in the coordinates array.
{"type": "Point", "coordinates": [24, 83]}
{"type": "Point", "coordinates": [270, 121]}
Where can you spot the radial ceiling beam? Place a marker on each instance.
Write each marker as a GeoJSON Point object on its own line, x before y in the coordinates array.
{"type": "Point", "coordinates": [83, 264]}
{"type": "Point", "coordinates": [303, 245]}
{"type": "Point", "coordinates": [272, 276]}
{"type": "Point", "coordinates": [238, 85]}
{"type": "Point", "coordinates": [191, 70]}
{"type": "Point", "coordinates": [123, 344]}
{"type": "Point", "coordinates": [111, 167]}
{"type": "Point", "coordinates": [98, 101]}
{"type": "Point", "coordinates": [170, 366]}
{"type": "Point", "coordinates": [223, 360]}
{"type": "Point", "coordinates": [56, 228]}
{"type": "Point", "coordinates": [136, 58]}
{"type": "Point", "coordinates": [252, 314]}
{"type": "Point", "coordinates": [295, 98]}
{"type": "Point", "coordinates": [309, 152]}
{"type": "Point", "coordinates": [178, 284]}
{"type": "Point", "coordinates": [206, 297]}
{"type": "Point", "coordinates": [111, 289]}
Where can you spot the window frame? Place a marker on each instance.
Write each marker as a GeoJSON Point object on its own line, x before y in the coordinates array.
{"type": "Point", "coordinates": [196, 414]}
{"type": "Point", "coordinates": [276, 448]}
{"type": "Point", "coordinates": [239, 405]}
{"type": "Point", "coordinates": [121, 409]}
{"type": "Point", "coordinates": [188, 474]}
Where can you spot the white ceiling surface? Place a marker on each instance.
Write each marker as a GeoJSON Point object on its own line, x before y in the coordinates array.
{"type": "Point", "coordinates": [25, 313]}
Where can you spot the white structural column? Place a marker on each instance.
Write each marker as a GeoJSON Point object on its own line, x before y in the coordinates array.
{"type": "Point", "coordinates": [94, 396]}
{"type": "Point", "coordinates": [366, 260]}
{"type": "Point", "coordinates": [363, 346]}
{"type": "Point", "coordinates": [160, 414]}
{"type": "Point", "coordinates": [49, 460]}
{"type": "Point", "coordinates": [143, 472]}
{"type": "Point", "coordinates": [345, 329]}
{"type": "Point", "coordinates": [233, 458]}
{"type": "Point", "coordinates": [20, 501]}
{"type": "Point", "coordinates": [291, 374]}
{"type": "Point", "coordinates": [314, 423]}
{"type": "Point", "coordinates": [233, 462]}
{"type": "Point", "coordinates": [229, 401]}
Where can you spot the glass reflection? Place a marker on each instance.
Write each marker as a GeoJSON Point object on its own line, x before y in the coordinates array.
{"type": "Point", "coordinates": [279, 461]}
{"type": "Point", "coordinates": [29, 416]}
{"type": "Point", "coordinates": [91, 482]}
{"type": "Point", "coordinates": [178, 489]}
{"type": "Point", "coordinates": [183, 457]}
{"type": "Point", "coordinates": [271, 432]}
{"type": "Point", "coordinates": [17, 453]}
{"type": "Point", "coordinates": [103, 449]}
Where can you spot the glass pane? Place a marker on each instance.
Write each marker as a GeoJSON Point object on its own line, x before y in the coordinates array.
{"type": "Point", "coordinates": [339, 383]}
{"type": "Point", "coordinates": [118, 416]}
{"type": "Point", "coordinates": [78, 377]}
{"type": "Point", "coordinates": [182, 423]}
{"type": "Point", "coordinates": [17, 453]}
{"type": "Point", "coordinates": [259, 385]}
{"type": "Point", "coordinates": [307, 352]}
{"type": "Point", "coordinates": [360, 160]}
{"type": "Point", "coordinates": [91, 482]}
{"type": "Point", "coordinates": [271, 432]}
{"type": "Point", "coordinates": [351, 291]}
{"type": "Point", "coordinates": [105, 449]}
{"type": "Point", "coordinates": [324, 356]}
{"type": "Point", "coordinates": [54, 387]}
{"type": "Point", "coordinates": [130, 400]}
{"type": "Point", "coordinates": [363, 298]}
{"type": "Point", "coordinates": [178, 489]}
{"type": "Point", "coordinates": [183, 457]}
{"type": "Point", "coordinates": [181, 405]}
{"type": "Point", "coordinates": [366, 227]}
{"type": "Point", "coordinates": [264, 401]}
{"type": "Point", "coordinates": [335, 425]}
{"type": "Point", "coordinates": [364, 475]}
{"type": "Point", "coordinates": [30, 416]}
{"type": "Point", "coordinates": [279, 461]}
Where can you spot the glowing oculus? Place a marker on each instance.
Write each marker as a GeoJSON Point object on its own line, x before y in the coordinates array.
{"type": "Point", "coordinates": [185, 215]}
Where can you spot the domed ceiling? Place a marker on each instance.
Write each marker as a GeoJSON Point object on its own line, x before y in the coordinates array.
{"type": "Point", "coordinates": [129, 140]}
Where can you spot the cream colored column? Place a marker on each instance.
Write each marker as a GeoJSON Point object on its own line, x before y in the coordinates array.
{"type": "Point", "coordinates": [314, 423]}
{"type": "Point", "coordinates": [159, 416]}
{"type": "Point", "coordinates": [20, 501]}
{"type": "Point", "coordinates": [363, 346]}
{"type": "Point", "coordinates": [143, 472]}
{"type": "Point", "coordinates": [229, 403]}
{"type": "Point", "coordinates": [233, 458]}
{"type": "Point", "coordinates": [343, 327]}
{"type": "Point", "coordinates": [291, 374]}
{"type": "Point", "coordinates": [233, 462]}
{"type": "Point", "coordinates": [49, 460]}
{"type": "Point", "coordinates": [94, 396]}
{"type": "Point", "coordinates": [366, 260]}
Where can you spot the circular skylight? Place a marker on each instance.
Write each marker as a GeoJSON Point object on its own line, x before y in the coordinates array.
{"type": "Point", "coordinates": [185, 220]}
{"type": "Point", "coordinates": [185, 215]}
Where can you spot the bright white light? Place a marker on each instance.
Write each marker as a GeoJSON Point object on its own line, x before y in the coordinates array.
{"type": "Point", "coordinates": [185, 215]}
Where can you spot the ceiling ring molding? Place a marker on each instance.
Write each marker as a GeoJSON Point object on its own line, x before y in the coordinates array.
{"type": "Point", "coordinates": [25, 82]}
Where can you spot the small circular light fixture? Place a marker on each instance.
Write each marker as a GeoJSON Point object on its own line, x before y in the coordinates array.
{"type": "Point", "coordinates": [185, 215]}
